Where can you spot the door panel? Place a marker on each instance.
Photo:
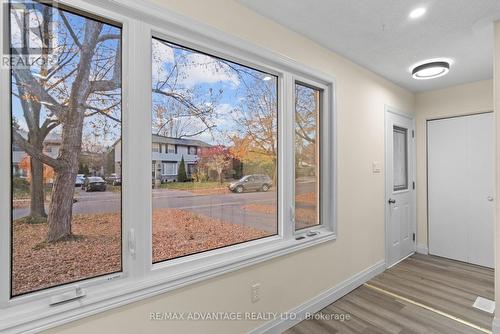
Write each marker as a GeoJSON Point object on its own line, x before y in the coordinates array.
{"type": "Point", "coordinates": [460, 188]}
{"type": "Point", "coordinates": [400, 195]}
{"type": "Point", "coordinates": [481, 176]}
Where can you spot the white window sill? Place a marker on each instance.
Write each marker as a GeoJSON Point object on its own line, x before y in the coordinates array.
{"type": "Point", "coordinates": [37, 316]}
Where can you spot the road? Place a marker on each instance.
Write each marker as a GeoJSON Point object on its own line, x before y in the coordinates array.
{"type": "Point", "coordinates": [226, 207]}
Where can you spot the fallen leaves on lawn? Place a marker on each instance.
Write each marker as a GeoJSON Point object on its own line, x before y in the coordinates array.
{"type": "Point", "coordinates": [309, 197]}
{"type": "Point", "coordinates": [95, 248]}
{"type": "Point", "coordinates": [304, 217]}
{"type": "Point", "coordinates": [215, 191]}
{"type": "Point", "coordinates": [177, 233]}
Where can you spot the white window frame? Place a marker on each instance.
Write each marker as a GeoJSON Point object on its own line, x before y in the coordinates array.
{"type": "Point", "coordinates": [326, 154]}
{"type": "Point", "coordinates": [140, 278]}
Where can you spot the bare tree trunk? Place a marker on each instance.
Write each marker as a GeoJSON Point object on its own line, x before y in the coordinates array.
{"type": "Point", "coordinates": [220, 177]}
{"type": "Point", "coordinates": [61, 205]}
{"type": "Point", "coordinates": [37, 206]}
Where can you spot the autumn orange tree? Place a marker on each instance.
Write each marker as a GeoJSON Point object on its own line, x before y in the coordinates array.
{"type": "Point", "coordinates": [217, 158]}
{"type": "Point", "coordinates": [256, 119]}
{"type": "Point", "coordinates": [48, 172]}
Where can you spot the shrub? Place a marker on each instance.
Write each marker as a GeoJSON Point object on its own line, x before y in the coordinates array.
{"type": "Point", "coordinates": [21, 184]}
{"type": "Point", "coordinates": [181, 173]}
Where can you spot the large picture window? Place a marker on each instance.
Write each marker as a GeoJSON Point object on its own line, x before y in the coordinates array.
{"type": "Point", "coordinates": [230, 134]}
{"type": "Point", "coordinates": [66, 116]}
{"type": "Point", "coordinates": [223, 119]}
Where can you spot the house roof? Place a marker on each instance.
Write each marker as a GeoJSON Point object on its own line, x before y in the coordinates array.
{"type": "Point", "coordinates": [174, 141]}
{"type": "Point", "coordinates": [52, 137]}
{"type": "Point", "coordinates": [179, 141]}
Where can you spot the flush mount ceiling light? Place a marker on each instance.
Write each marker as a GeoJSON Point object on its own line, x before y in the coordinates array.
{"type": "Point", "coordinates": [267, 78]}
{"type": "Point", "coordinates": [430, 69]}
{"type": "Point", "coordinates": [417, 12]}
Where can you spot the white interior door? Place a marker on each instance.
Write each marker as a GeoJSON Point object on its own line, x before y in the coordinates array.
{"type": "Point", "coordinates": [400, 192]}
{"type": "Point", "coordinates": [460, 188]}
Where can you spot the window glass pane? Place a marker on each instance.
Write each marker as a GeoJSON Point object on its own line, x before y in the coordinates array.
{"type": "Point", "coordinates": [222, 117]}
{"type": "Point", "coordinates": [66, 120]}
{"type": "Point", "coordinates": [400, 156]}
{"type": "Point", "coordinates": [307, 111]}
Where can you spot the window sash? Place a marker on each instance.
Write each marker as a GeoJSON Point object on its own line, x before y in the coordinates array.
{"type": "Point", "coordinates": [139, 275]}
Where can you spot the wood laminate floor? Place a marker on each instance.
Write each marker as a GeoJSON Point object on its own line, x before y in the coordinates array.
{"type": "Point", "coordinates": [439, 284]}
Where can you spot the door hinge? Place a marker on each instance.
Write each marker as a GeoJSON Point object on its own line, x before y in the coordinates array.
{"type": "Point", "coordinates": [413, 133]}
{"type": "Point", "coordinates": [413, 185]}
{"type": "Point", "coordinates": [413, 236]}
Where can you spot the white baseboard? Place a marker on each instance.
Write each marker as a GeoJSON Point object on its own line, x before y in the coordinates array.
{"type": "Point", "coordinates": [422, 249]}
{"type": "Point", "coordinates": [321, 301]}
{"type": "Point", "coordinates": [496, 326]}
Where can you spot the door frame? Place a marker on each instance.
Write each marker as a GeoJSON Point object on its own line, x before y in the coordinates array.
{"type": "Point", "coordinates": [412, 180]}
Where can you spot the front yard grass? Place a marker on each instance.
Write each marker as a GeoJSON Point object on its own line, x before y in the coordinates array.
{"type": "Point", "coordinates": [95, 248]}
{"type": "Point", "coordinates": [194, 185]}
{"type": "Point", "coordinates": [198, 188]}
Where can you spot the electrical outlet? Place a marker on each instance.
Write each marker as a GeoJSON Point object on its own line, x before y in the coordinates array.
{"type": "Point", "coordinates": [255, 293]}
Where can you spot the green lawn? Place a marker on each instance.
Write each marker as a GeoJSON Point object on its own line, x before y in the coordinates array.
{"type": "Point", "coordinates": [21, 194]}
{"type": "Point", "coordinates": [193, 185]}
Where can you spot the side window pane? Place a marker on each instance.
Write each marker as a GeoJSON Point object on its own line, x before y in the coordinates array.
{"type": "Point", "coordinates": [221, 119]}
{"type": "Point", "coordinates": [66, 130]}
{"type": "Point", "coordinates": [307, 111]}
{"type": "Point", "coordinates": [400, 156]}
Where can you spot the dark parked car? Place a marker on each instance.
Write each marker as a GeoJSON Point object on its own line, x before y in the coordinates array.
{"type": "Point", "coordinates": [256, 182]}
{"type": "Point", "coordinates": [94, 183]}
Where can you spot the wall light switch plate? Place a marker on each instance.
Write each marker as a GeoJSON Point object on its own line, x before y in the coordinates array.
{"type": "Point", "coordinates": [376, 167]}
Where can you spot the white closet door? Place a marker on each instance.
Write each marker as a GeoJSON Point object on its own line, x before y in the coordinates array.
{"type": "Point", "coordinates": [460, 188]}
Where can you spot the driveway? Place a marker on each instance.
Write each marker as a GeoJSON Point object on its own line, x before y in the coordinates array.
{"type": "Point", "coordinates": [226, 207]}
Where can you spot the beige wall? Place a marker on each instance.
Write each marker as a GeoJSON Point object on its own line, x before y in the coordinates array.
{"type": "Point", "coordinates": [454, 101]}
{"type": "Point", "coordinates": [291, 280]}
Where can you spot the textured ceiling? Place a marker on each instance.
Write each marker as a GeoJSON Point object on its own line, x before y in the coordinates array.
{"type": "Point", "coordinates": [378, 34]}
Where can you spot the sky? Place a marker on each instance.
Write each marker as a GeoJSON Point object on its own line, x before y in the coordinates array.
{"type": "Point", "coordinates": [187, 71]}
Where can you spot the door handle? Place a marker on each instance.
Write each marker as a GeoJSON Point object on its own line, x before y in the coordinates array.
{"type": "Point", "coordinates": [391, 201]}
{"type": "Point", "coordinates": [490, 198]}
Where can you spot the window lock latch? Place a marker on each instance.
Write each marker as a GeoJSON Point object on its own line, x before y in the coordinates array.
{"type": "Point", "coordinates": [68, 296]}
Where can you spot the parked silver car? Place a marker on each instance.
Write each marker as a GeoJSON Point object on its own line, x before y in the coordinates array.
{"type": "Point", "coordinates": [80, 179]}
{"type": "Point", "coordinates": [255, 182]}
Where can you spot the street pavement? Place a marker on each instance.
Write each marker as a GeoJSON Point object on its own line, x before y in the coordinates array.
{"type": "Point", "coordinates": [226, 207]}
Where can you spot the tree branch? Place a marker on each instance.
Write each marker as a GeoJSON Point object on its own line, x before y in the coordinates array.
{"type": "Point", "coordinates": [70, 29]}
{"type": "Point", "coordinates": [36, 153]}
{"type": "Point", "coordinates": [103, 111]}
{"type": "Point", "coordinates": [105, 37]}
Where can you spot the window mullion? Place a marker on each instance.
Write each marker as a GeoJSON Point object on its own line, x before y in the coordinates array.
{"type": "Point", "coordinates": [287, 151]}
{"type": "Point", "coordinates": [329, 160]}
{"type": "Point", "coordinates": [137, 152]}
